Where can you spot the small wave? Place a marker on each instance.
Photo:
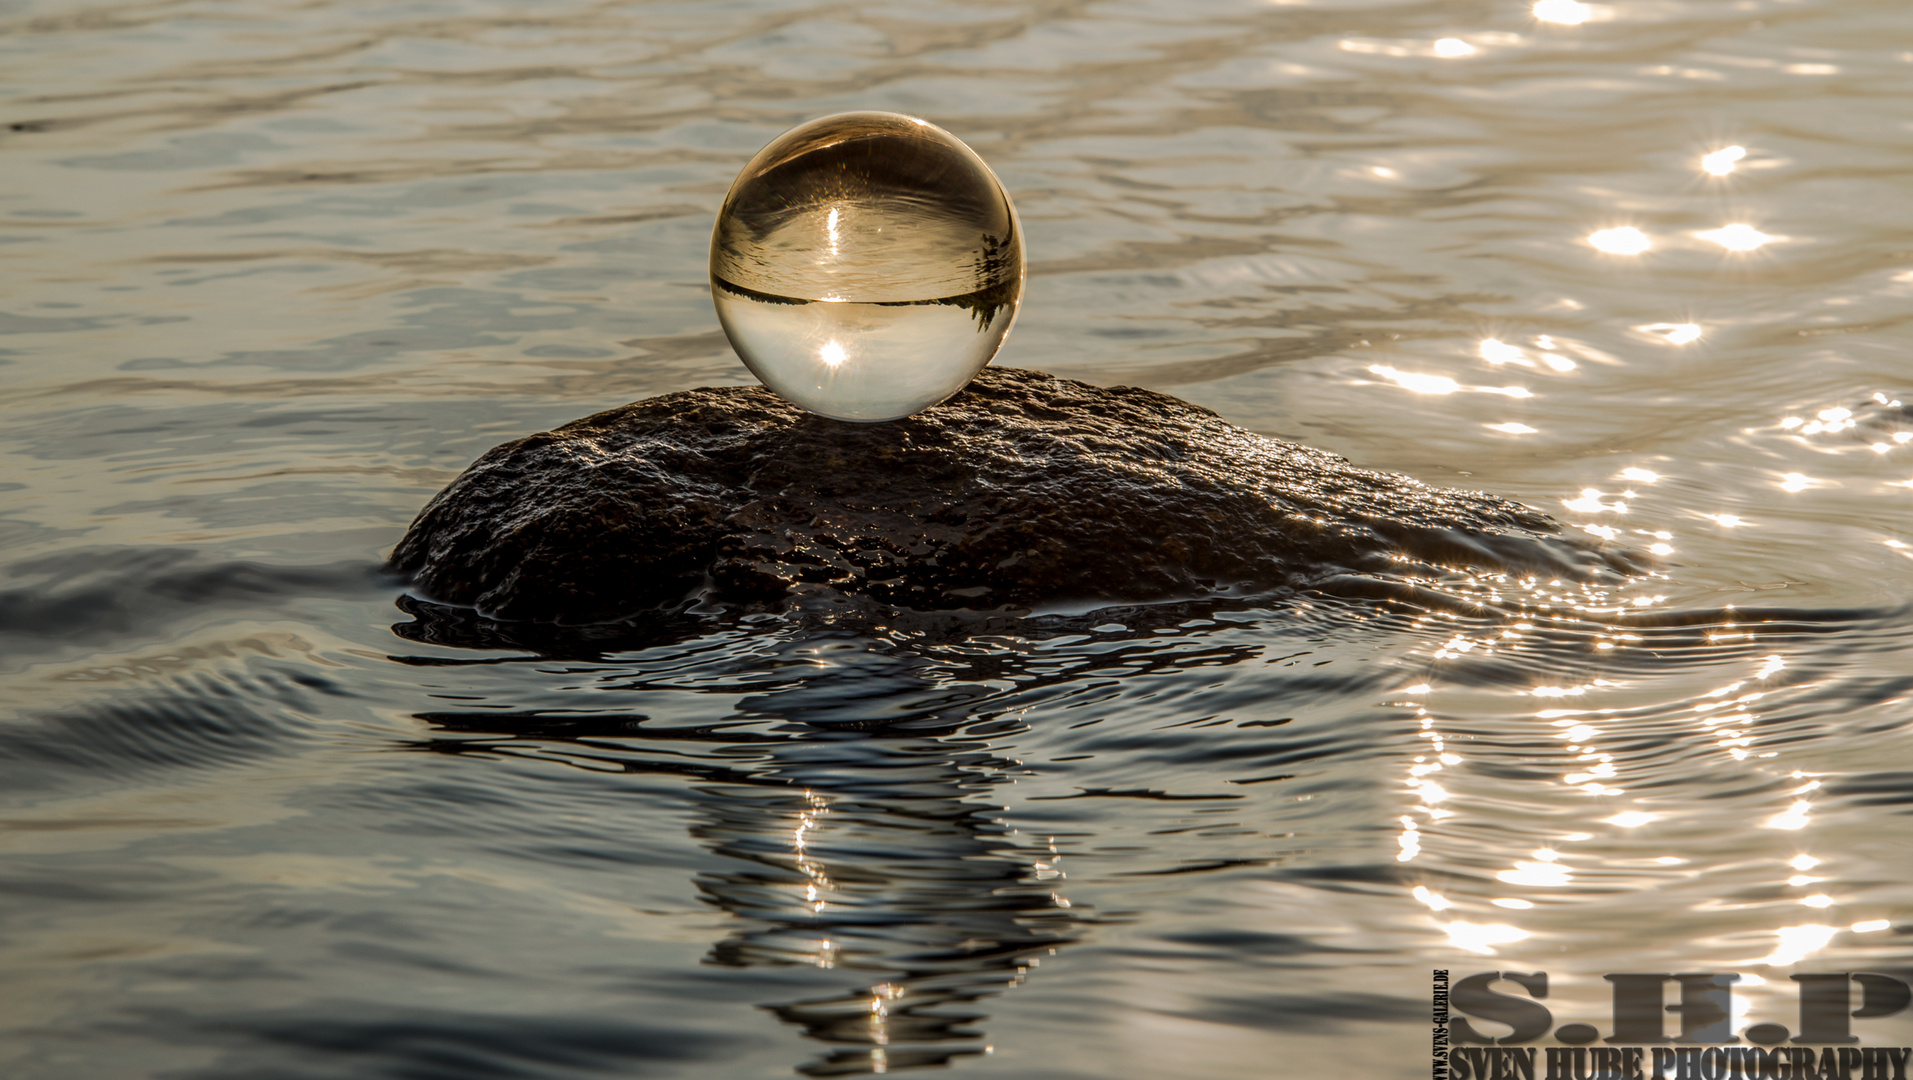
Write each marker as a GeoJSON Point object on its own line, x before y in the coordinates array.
{"type": "Point", "coordinates": [91, 595]}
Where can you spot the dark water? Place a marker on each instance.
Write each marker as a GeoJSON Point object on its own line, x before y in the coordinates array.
{"type": "Point", "coordinates": [273, 273]}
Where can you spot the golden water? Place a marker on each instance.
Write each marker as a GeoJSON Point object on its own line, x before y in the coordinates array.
{"type": "Point", "coordinates": [272, 273]}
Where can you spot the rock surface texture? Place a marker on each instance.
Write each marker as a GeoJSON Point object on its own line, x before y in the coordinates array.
{"type": "Point", "coordinates": [1020, 492]}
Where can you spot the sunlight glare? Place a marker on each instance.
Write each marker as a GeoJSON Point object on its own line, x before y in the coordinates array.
{"type": "Point", "coordinates": [1482, 938]}
{"type": "Point", "coordinates": [1793, 818]}
{"type": "Point", "coordinates": [1736, 237]}
{"type": "Point", "coordinates": [1796, 942]}
{"type": "Point", "coordinates": [1564, 12]}
{"type": "Point", "coordinates": [1590, 503]}
{"type": "Point", "coordinates": [1418, 383]}
{"type": "Point", "coordinates": [1722, 161]}
{"type": "Point", "coordinates": [1673, 333]}
{"type": "Point", "coordinates": [1500, 352]}
{"type": "Point", "coordinates": [1626, 240]}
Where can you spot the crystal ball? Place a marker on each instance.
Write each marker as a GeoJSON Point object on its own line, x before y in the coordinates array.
{"type": "Point", "coordinates": [866, 265]}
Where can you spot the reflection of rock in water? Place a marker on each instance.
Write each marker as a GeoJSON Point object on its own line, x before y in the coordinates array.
{"type": "Point", "coordinates": [460, 627]}
{"type": "Point", "coordinates": [1023, 490]}
{"type": "Point", "coordinates": [850, 797]}
{"type": "Point", "coordinates": [880, 865]}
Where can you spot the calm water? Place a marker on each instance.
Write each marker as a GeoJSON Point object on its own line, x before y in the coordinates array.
{"type": "Point", "coordinates": [275, 272]}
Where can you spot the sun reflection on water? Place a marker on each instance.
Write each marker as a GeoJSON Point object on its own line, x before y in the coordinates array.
{"type": "Point", "coordinates": [1482, 938]}
{"type": "Point", "coordinates": [1416, 382]}
{"type": "Point", "coordinates": [1600, 743]}
{"type": "Point", "coordinates": [1737, 237]}
{"type": "Point", "coordinates": [1562, 12]}
{"type": "Point", "coordinates": [1723, 161]}
{"type": "Point", "coordinates": [1796, 944]}
{"type": "Point", "coordinates": [1685, 333]}
{"type": "Point", "coordinates": [1622, 240]}
{"type": "Point", "coordinates": [1498, 352]}
{"type": "Point", "coordinates": [818, 881]}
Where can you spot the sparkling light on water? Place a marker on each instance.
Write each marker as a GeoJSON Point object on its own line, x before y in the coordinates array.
{"type": "Point", "coordinates": [1416, 381]}
{"type": "Point", "coordinates": [1737, 237]}
{"type": "Point", "coordinates": [1500, 352]}
{"type": "Point", "coordinates": [1565, 12]}
{"type": "Point", "coordinates": [1723, 161]}
{"type": "Point", "coordinates": [1674, 333]}
{"type": "Point", "coordinates": [1794, 817]}
{"type": "Point", "coordinates": [1482, 938]}
{"type": "Point", "coordinates": [866, 265]}
{"type": "Point", "coordinates": [1796, 944]}
{"type": "Point", "coordinates": [1626, 240]}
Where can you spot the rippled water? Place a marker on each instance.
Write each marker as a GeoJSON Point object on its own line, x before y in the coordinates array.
{"type": "Point", "coordinates": [274, 273]}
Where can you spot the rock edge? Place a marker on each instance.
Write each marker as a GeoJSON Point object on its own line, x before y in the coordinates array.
{"type": "Point", "coordinates": [1022, 491]}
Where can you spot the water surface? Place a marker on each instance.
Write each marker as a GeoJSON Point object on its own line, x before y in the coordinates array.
{"type": "Point", "coordinates": [274, 273]}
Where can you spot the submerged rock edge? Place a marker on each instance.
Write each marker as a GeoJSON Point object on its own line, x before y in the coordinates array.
{"type": "Point", "coordinates": [1021, 491]}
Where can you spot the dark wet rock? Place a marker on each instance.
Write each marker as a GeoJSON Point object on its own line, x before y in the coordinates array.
{"type": "Point", "coordinates": [1022, 492]}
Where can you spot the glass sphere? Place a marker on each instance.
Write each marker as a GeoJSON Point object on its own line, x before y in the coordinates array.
{"type": "Point", "coordinates": [866, 265]}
